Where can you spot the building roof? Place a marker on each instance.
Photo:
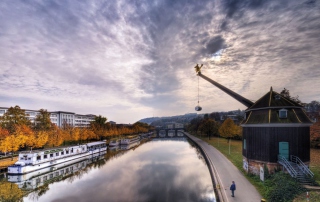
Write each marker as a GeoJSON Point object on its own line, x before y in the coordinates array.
{"type": "Point", "coordinates": [270, 100]}
{"type": "Point", "coordinates": [266, 111]}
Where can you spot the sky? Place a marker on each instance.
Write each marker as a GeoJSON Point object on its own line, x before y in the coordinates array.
{"type": "Point", "coordinates": [131, 59]}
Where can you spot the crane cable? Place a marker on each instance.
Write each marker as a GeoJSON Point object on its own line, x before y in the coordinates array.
{"type": "Point", "coordinates": [198, 90]}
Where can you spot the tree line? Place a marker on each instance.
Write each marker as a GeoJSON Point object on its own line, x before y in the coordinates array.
{"type": "Point", "coordinates": [208, 126]}
{"type": "Point", "coordinates": [18, 132]}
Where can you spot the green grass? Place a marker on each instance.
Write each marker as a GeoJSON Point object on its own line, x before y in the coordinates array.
{"type": "Point", "coordinates": [315, 163]}
{"type": "Point", "coordinates": [235, 157]}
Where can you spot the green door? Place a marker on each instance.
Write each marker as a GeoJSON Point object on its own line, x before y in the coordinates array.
{"type": "Point", "coordinates": [284, 149]}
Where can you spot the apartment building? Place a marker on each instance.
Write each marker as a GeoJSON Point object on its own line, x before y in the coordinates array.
{"type": "Point", "coordinates": [59, 118]}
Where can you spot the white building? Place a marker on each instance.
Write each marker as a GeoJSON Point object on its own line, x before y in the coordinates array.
{"type": "Point", "coordinates": [59, 118]}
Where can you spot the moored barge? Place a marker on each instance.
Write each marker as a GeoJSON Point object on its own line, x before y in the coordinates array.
{"type": "Point", "coordinates": [29, 161]}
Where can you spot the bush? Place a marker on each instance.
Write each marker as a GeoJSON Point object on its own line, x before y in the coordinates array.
{"type": "Point", "coordinates": [281, 187]}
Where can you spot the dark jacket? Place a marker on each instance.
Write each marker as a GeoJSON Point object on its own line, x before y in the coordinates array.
{"type": "Point", "coordinates": [233, 187]}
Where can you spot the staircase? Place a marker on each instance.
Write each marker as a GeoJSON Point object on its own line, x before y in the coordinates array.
{"type": "Point", "coordinates": [297, 169]}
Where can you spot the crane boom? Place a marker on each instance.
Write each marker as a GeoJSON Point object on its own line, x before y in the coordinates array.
{"type": "Point", "coordinates": [236, 96]}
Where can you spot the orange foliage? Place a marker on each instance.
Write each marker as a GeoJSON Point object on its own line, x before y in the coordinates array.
{"type": "Point", "coordinates": [3, 133]}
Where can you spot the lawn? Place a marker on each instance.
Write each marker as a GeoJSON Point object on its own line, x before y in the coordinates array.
{"type": "Point", "coordinates": [235, 157]}
{"type": "Point", "coordinates": [315, 163]}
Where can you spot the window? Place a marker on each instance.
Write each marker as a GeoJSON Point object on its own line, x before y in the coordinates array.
{"type": "Point", "coordinates": [45, 156]}
{"type": "Point", "coordinates": [62, 153]}
{"type": "Point", "coordinates": [51, 155]}
{"type": "Point", "coordinates": [67, 152]}
{"type": "Point", "coordinates": [38, 158]}
{"type": "Point", "coordinates": [57, 154]}
{"type": "Point", "coordinates": [277, 97]}
{"type": "Point", "coordinates": [283, 113]}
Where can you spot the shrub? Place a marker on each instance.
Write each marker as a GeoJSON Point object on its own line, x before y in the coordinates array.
{"type": "Point", "coordinates": [281, 187]}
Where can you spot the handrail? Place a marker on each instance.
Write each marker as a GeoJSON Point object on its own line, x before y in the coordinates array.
{"type": "Point", "coordinates": [283, 161]}
{"type": "Point", "coordinates": [301, 165]}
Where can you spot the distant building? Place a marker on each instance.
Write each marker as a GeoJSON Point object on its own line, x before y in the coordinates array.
{"type": "Point", "coordinates": [174, 125]}
{"type": "Point", "coordinates": [59, 118]}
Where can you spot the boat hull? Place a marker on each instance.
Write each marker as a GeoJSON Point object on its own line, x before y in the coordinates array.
{"type": "Point", "coordinates": [18, 170]}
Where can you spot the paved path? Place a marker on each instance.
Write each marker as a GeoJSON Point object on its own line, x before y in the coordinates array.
{"type": "Point", "coordinates": [225, 172]}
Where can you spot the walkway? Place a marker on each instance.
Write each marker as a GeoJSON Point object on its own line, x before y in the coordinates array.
{"type": "Point", "coordinates": [225, 172]}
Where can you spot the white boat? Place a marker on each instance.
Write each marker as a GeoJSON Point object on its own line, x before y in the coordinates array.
{"type": "Point", "coordinates": [114, 143]}
{"type": "Point", "coordinates": [29, 161]}
{"type": "Point", "coordinates": [38, 178]}
{"type": "Point", "coordinates": [130, 139]}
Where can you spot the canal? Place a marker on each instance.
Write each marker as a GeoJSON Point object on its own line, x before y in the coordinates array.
{"type": "Point", "coordinates": [162, 169]}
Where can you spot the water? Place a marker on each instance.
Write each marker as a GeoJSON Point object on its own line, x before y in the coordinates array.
{"type": "Point", "coordinates": [158, 170]}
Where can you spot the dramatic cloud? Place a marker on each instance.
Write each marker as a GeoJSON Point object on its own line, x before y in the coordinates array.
{"type": "Point", "coordinates": [129, 60]}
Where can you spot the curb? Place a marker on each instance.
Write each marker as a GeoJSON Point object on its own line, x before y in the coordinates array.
{"type": "Point", "coordinates": [214, 176]}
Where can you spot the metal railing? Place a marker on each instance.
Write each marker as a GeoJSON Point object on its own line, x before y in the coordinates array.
{"type": "Point", "coordinates": [301, 165]}
{"type": "Point", "coordinates": [283, 161]}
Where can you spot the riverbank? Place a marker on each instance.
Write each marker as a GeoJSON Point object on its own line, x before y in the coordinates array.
{"type": "Point", "coordinates": [225, 173]}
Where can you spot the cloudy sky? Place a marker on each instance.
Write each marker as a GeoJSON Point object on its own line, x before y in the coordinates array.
{"type": "Point", "coordinates": [131, 59]}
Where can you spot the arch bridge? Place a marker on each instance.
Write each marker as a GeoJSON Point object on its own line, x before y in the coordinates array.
{"type": "Point", "coordinates": [169, 132]}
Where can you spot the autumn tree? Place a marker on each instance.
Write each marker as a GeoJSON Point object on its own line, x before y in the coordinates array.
{"type": "Point", "coordinates": [140, 127]}
{"type": "Point", "coordinates": [41, 138]}
{"type": "Point", "coordinates": [28, 133]}
{"type": "Point", "coordinates": [99, 126]}
{"type": "Point", "coordinates": [43, 121]}
{"type": "Point", "coordinates": [15, 140]}
{"type": "Point", "coordinates": [4, 133]}
{"type": "Point", "coordinates": [14, 116]}
{"type": "Point", "coordinates": [87, 134]}
{"type": "Point", "coordinates": [229, 130]}
{"type": "Point", "coordinates": [56, 136]}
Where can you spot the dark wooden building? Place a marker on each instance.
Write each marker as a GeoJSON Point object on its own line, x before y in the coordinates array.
{"type": "Point", "coordinates": [273, 126]}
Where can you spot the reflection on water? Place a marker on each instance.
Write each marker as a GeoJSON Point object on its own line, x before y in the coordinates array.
{"type": "Point", "coordinates": [159, 170]}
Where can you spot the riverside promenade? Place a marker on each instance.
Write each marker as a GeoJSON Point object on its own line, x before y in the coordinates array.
{"type": "Point", "coordinates": [224, 172]}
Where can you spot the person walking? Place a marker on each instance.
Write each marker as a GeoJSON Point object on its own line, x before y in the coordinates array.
{"type": "Point", "coordinates": [233, 188]}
